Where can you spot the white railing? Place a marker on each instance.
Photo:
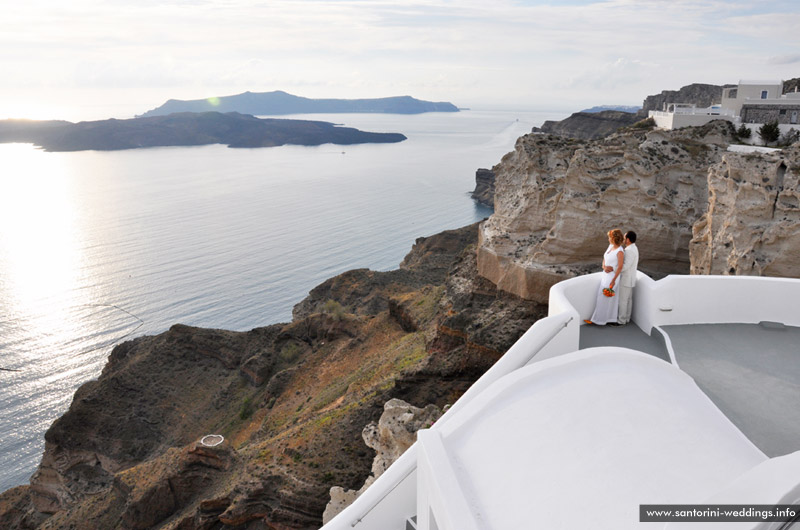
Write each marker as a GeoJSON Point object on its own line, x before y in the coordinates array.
{"type": "Point", "coordinates": [679, 299]}
{"type": "Point", "coordinates": [694, 111]}
{"type": "Point", "coordinates": [710, 111]}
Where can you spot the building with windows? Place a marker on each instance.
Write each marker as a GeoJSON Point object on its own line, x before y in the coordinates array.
{"type": "Point", "coordinates": [750, 102]}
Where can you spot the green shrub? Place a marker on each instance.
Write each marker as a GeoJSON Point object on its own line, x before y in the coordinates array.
{"type": "Point", "coordinates": [334, 309]}
{"type": "Point", "coordinates": [247, 409]}
{"type": "Point", "coordinates": [769, 132]}
{"type": "Point", "coordinates": [744, 131]}
{"type": "Point", "coordinates": [647, 123]}
{"type": "Point", "coordinates": [289, 353]}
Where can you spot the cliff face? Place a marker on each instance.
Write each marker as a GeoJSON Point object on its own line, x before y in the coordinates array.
{"type": "Point", "coordinates": [557, 198]}
{"type": "Point", "coordinates": [695, 206]}
{"type": "Point", "coordinates": [590, 125]}
{"type": "Point", "coordinates": [484, 187]}
{"type": "Point", "coordinates": [700, 94]}
{"type": "Point", "coordinates": [791, 85]}
{"type": "Point", "coordinates": [752, 226]}
{"type": "Point", "coordinates": [291, 401]}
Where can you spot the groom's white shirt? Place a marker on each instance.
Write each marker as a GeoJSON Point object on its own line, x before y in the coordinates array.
{"type": "Point", "coordinates": [627, 276]}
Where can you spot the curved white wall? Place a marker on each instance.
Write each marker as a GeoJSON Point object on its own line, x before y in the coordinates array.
{"type": "Point", "coordinates": [698, 299]}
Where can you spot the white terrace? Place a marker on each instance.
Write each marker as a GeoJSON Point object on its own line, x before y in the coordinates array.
{"type": "Point", "coordinates": [696, 402]}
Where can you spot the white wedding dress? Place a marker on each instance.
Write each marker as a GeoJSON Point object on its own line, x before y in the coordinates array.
{"type": "Point", "coordinates": [606, 308]}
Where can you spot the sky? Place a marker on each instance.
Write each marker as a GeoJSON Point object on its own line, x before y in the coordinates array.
{"type": "Point", "coordinates": [97, 59]}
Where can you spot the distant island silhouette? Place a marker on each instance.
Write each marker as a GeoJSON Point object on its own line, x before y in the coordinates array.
{"type": "Point", "coordinates": [184, 129]}
{"type": "Point", "coordinates": [280, 103]}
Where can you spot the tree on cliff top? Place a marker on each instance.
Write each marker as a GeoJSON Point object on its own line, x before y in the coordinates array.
{"type": "Point", "coordinates": [769, 132]}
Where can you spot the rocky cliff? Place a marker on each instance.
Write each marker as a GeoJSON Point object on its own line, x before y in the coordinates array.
{"type": "Point", "coordinates": [589, 125]}
{"type": "Point", "coordinates": [291, 401]}
{"type": "Point", "coordinates": [752, 225]}
{"type": "Point", "coordinates": [700, 94]}
{"type": "Point", "coordinates": [484, 187]}
{"type": "Point", "coordinates": [556, 198]}
{"type": "Point", "coordinates": [791, 85]}
{"type": "Point", "coordinates": [695, 206]}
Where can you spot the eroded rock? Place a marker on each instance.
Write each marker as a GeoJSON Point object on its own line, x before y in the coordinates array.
{"type": "Point", "coordinates": [390, 437]}
{"type": "Point", "coordinates": [557, 198]}
{"type": "Point", "coordinates": [752, 226]}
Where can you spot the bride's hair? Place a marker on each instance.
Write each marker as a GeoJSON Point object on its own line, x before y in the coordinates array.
{"type": "Point", "coordinates": [616, 236]}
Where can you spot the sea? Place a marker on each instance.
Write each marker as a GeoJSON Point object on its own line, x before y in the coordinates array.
{"type": "Point", "coordinates": [99, 247]}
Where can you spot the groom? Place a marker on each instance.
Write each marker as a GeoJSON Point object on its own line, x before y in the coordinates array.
{"type": "Point", "coordinates": [627, 278]}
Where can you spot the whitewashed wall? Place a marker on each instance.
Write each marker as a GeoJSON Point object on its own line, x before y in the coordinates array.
{"type": "Point", "coordinates": [719, 299]}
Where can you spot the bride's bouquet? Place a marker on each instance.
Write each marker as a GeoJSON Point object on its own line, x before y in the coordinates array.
{"type": "Point", "coordinates": [608, 292]}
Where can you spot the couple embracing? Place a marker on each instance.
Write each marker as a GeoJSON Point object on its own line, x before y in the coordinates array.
{"type": "Point", "coordinates": [614, 297]}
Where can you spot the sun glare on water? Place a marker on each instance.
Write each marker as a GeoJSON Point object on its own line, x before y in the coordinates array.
{"type": "Point", "coordinates": [39, 248]}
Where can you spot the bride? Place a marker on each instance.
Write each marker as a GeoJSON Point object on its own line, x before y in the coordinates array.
{"type": "Point", "coordinates": [605, 310]}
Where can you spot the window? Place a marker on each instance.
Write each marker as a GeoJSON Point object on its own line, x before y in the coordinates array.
{"type": "Point", "coordinates": [764, 94]}
{"type": "Point", "coordinates": [782, 112]}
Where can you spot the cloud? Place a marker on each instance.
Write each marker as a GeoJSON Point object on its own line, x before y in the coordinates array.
{"type": "Point", "coordinates": [785, 59]}
{"type": "Point", "coordinates": [500, 51]}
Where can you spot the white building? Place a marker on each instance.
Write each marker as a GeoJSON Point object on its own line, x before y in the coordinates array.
{"type": "Point", "coordinates": [748, 91]}
{"type": "Point", "coordinates": [751, 102]}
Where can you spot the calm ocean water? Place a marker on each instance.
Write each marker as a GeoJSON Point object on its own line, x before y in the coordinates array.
{"type": "Point", "coordinates": [99, 247]}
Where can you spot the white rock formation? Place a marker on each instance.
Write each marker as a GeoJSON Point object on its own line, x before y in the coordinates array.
{"type": "Point", "coordinates": [395, 432]}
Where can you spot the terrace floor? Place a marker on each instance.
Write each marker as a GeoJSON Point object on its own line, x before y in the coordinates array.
{"type": "Point", "coordinates": [750, 371]}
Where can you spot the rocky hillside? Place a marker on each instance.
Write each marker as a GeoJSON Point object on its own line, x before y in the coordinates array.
{"type": "Point", "coordinates": [291, 401]}
{"type": "Point", "coordinates": [791, 85]}
{"type": "Point", "coordinates": [700, 94]}
{"type": "Point", "coordinates": [695, 206]}
{"type": "Point", "coordinates": [589, 125]}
